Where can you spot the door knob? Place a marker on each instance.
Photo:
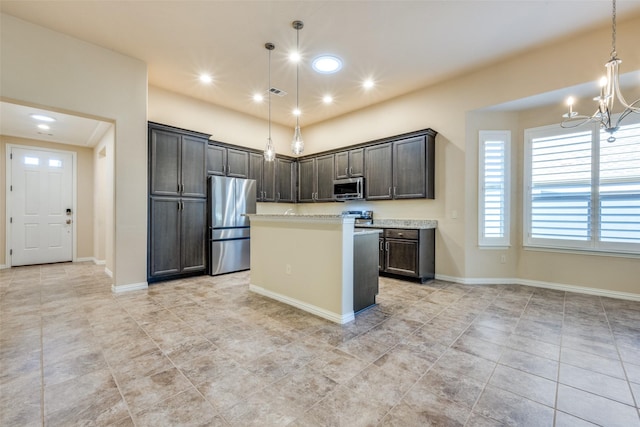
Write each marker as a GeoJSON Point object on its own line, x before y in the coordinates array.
{"type": "Point", "coordinates": [68, 221]}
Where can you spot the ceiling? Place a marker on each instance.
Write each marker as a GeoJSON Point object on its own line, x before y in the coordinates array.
{"type": "Point", "coordinates": [402, 45]}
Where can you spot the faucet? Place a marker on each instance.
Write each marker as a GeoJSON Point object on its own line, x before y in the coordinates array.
{"type": "Point", "coordinates": [289, 212]}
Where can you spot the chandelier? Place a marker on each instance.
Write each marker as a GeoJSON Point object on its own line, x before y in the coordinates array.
{"type": "Point", "coordinates": [610, 95]}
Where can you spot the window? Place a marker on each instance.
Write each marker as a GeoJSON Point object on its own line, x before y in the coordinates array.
{"type": "Point", "coordinates": [493, 191]}
{"type": "Point", "coordinates": [583, 192]}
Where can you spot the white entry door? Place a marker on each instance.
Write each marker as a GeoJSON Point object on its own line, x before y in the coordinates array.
{"type": "Point", "coordinates": [41, 217]}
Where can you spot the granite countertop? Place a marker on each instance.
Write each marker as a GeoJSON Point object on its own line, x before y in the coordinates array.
{"type": "Point", "coordinates": [402, 223]}
{"type": "Point", "coordinates": [364, 231]}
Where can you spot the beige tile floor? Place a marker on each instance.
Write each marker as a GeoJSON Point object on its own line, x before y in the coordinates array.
{"type": "Point", "coordinates": [206, 351]}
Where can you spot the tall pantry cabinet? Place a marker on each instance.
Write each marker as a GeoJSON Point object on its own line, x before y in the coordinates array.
{"type": "Point", "coordinates": [177, 202]}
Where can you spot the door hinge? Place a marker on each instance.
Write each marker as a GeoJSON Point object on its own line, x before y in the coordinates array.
{"type": "Point", "coordinates": [11, 220]}
{"type": "Point", "coordinates": [10, 251]}
{"type": "Point", "coordinates": [11, 188]}
{"type": "Point", "coordinates": [10, 156]}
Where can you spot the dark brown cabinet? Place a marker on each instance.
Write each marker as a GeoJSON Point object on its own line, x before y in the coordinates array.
{"type": "Point", "coordinates": [315, 179]}
{"type": "Point", "coordinates": [177, 236]}
{"type": "Point", "coordinates": [275, 181]}
{"type": "Point", "coordinates": [407, 252]}
{"type": "Point", "coordinates": [285, 176]}
{"type": "Point", "coordinates": [227, 161]}
{"type": "Point", "coordinates": [401, 169]}
{"type": "Point", "coordinates": [349, 164]}
{"type": "Point", "coordinates": [176, 164]}
{"type": "Point", "coordinates": [177, 202]}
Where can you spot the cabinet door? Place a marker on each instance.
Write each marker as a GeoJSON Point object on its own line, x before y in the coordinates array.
{"type": "Point", "coordinates": [216, 160]}
{"type": "Point", "coordinates": [164, 155]}
{"type": "Point", "coordinates": [401, 257]}
{"type": "Point", "coordinates": [237, 163]}
{"type": "Point", "coordinates": [342, 165]}
{"type": "Point", "coordinates": [164, 236]}
{"type": "Point", "coordinates": [356, 163]}
{"type": "Point", "coordinates": [194, 178]}
{"type": "Point", "coordinates": [325, 173]}
{"type": "Point", "coordinates": [409, 172]}
{"type": "Point", "coordinates": [256, 172]}
{"type": "Point", "coordinates": [285, 170]}
{"type": "Point", "coordinates": [306, 180]}
{"type": "Point", "coordinates": [269, 182]}
{"type": "Point", "coordinates": [378, 172]}
{"type": "Point", "coordinates": [193, 234]}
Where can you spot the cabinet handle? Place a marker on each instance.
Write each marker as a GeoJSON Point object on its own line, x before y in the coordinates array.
{"type": "Point", "coordinates": [178, 205]}
{"type": "Point", "coordinates": [346, 171]}
{"type": "Point", "coordinates": [182, 206]}
{"type": "Point", "coordinates": [183, 188]}
{"type": "Point", "coordinates": [389, 191]}
{"type": "Point", "coordinates": [386, 246]}
{"type": "Point", "coordinates": [400, 234]}
{"type": "Point", "coordinates": [394, 191]}
{"type": "Point", "coordinates": [350, 170]}
{"type": "Point", "coordinates": [380, 245]}
{"type": "Point", "coordinates": [278, 198]}
{"type": "Point", "coordinates": [224, 169]}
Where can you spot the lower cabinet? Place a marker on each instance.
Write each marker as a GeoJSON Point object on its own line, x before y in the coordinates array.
{"type": "Point", "coordinates": [407, 252]}
{"type": "Point", "coordinates": [176, 237]}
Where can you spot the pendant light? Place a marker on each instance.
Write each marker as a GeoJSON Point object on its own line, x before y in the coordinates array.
{"type": "Point", "coordinates": [609, 93]}
{"type": "Point", "coordinates": [269, 150]}
{"type": "Point", "coordinates": [297, 144]}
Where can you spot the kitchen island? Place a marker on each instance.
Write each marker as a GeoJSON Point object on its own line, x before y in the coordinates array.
{"type": "Point", "coordinates": [307, 261]}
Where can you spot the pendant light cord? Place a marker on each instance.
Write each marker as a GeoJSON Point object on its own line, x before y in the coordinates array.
{"type": "Point", "coordinates": [613, 31]}
{"type": "Point", "coordinates": [298, 77]}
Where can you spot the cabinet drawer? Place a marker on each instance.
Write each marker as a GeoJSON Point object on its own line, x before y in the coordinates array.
{"type": "Point", "coordinates": [401, 233]}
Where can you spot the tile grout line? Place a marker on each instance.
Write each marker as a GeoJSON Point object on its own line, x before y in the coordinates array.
{"type": "Point", "coordinates": [498, 361]}
{"type": "Point", "coordinates": [41, 350]}
{"type": "Point", "coordinates": [555, 403]}
{"type": "Point", "coordinates": [624, 369]}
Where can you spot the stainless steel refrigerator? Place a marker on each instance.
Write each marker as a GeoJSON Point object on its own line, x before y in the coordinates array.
{"type": "Point", "coordinates": [229, 232]}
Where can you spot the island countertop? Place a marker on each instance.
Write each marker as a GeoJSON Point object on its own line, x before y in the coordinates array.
{"type": "Point", "coordinates": [377, 223]}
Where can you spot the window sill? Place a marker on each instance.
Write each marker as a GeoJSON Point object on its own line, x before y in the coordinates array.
{"type": "Point", "coordinates": [582, 252]}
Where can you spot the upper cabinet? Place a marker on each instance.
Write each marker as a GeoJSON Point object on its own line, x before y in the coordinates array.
{"type": "Point", "coordinates": [315, 179]}
{"type": "Point", "coordinates": [285, 180]}
{"type": "Point", "coordinates": [177, 163]}
{"type": "Point", "coordinates": [349, 164]}
{"type": "Point", "coordinates": [226, 161]}
{"type": "Point", "coordinates": [401, 169]}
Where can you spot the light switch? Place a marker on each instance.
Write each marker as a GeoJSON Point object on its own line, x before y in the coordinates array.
{"type": "Point", "coordinates": [454, 214]}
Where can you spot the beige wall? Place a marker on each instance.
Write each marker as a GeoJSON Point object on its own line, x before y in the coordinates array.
{"type": "Point", "coordinates": [84, 202]}
{"type": "Point", "coordinates": [103, 199]}
{"type": "Point", "coordinates": [48, 69]}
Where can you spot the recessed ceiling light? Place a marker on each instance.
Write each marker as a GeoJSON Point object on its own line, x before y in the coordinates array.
{"type": "Point", "coordinates": [367, 84]}
{"type": "Point", "coordinates": [327, 64]}
{"type": "Point", "coordinates": [43, 127]}
{"type": "Point", "coordinates": [296, 112]}
{"type": "Point", "coordinates": [42, 118]}
{"type": "Point", "coordinates": [327, 99]}
{"type": "Point", "coordinates": [258, 97]}
{"type": "Point", "coordinates": [206, 78]}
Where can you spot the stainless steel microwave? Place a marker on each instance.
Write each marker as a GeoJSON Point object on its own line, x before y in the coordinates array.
{"type": "Point", "coordinates": [348, 189]}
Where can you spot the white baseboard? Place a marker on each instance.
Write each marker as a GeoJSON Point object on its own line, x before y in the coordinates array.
{"type": "Point", "coordinates": [108, 272]}
{"type": "Point", "coordinates": [3, 266]}
{"type": "Point", "coordinates": [540, 284]}
{"type": "Point", "coordinates": [320, 312]}
{"type": "Point", "coordinates": [129, 287]}
{"type": "Point", "coordinates": [86, 259]}
{"type": "Point", "coordinates": [99, 261]}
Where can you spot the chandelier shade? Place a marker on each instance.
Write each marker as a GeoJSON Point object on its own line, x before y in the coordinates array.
{"type": "Point", "coordinates": [269, 149]}
{"type": "Point", "coordinates": [297, 144]}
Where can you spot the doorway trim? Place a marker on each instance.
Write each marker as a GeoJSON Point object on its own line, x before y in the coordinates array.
{"type": "Point", "coordinates": [8, 198]}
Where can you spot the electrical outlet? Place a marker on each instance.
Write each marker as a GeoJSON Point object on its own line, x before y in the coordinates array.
{"type": "Point", "coordinates": [287, 269]}
{"type": "Point", "coordinates": [454, 214]}
{"type": "Point", "coordinates": [503, 259]}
